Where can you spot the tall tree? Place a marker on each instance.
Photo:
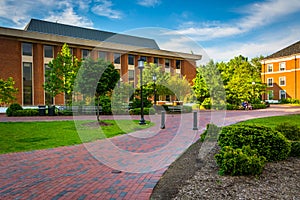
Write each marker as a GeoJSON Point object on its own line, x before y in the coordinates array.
{"type": "Point", "coordinates": [200, 88]}
{"type": "Point", "coordinates": [61, 74]}
{"type": "Point", "coordinates": [7, 91]}
{"type": "Point", "coordinates": [96, 78]}
{"type": "Point", "coordinates": [179, 86]}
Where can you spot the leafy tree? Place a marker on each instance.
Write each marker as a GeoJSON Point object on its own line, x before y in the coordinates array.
{"type": "Point", "coordinates": [62, 73]}
{"type": "Point", "coordinates": [179, 86]}
{"type": "Point", "coordinates": [96, 78]}
{"type": "Point", "coordinates": [200, 88]}
{"type": "Point", "coordinates": [7, 91]}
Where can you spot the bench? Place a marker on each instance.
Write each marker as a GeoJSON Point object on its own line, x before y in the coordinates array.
{"type": "Point", "coordinates": [175, 108]}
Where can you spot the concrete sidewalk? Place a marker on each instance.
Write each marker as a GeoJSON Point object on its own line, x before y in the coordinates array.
{"type": "Point", "coordinates": [124, 167]}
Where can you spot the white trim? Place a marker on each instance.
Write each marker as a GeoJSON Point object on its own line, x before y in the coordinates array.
{"type": "Point", "coordinates": [131, 67]}
{"type": "Point", "coordinates": [281, 59]}
{"type": "Point", "coordinates": [47, 60]}
{"type": "Point", "coordinates": [268, 82]}
{"type": "Point", "coordinates": [280, 72]}
{"type": "Point", "coordinates": [27, 58]}
{"type": "Point", "coordinates": [178, 71]}
{"type": "Point", "coordinates": [280, 81]}
{"type": "Point", "coordinates": [117, 66]}
{"type": "Point", "coordinates": [280, 94]}
{"type": "Point", "coordinates": [167, 70]}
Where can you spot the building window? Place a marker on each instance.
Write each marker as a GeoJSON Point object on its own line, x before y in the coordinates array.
{"type": "Point", "coordinates": [102, 55]}
{"type": "Point", "coordinates": [48, 97]}
{"type": "Point", "coordinates": [156, 60]}
{"type": "Point", "coordinates": [270, 82]}
{"type": "Point", "coordinates": [144, 58]}
{"type": "Point", "coordinates": [117, 58]}
{"type": "Point", "coordinates": [27, 83]}
{"type": "Point", "coordinates": [270, 95]}
{"type": "Point", "coordinates": [282, 81]}
{"type": "Point", "coordinates": [270, 67]}
{"type": "Point", "coordinates": [167, 63]}
{"type": "Point", "coordinates": [130, 59]}
{"type": "Point", "coordinates": [178, 64]}
{"type": "Point", "coordinates": [282, 94]}
{"type": "Point", "coordinates": [85, 53]}
{"type": "Point", "coordinates": [282, 66]}
{"type": "Point", "coordinates": [131, 77]}
{"type": "Point", "coordinates": [168, 98]}
{"type": "Point", "coordinates": [48, 51]}
{"type": "Point", "coordinates": [26, 49]}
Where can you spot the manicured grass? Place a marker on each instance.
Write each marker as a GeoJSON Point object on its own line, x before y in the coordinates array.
{"type": "Point", "coordinates": [274, 121]}
{"type": "Point", "coordinates": [26, 136]}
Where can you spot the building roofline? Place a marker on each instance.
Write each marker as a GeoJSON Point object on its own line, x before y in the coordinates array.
{"type": "Point", "coordinates": [90, 44]}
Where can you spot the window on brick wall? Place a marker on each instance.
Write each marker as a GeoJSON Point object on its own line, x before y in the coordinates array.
{"type": "Point", "coordinates": [270, 82]}
{"type": "Point", "coordinates": [117, 58]}
{"type": "Point", "coordinates": [282, 94]}
{"type": "Point", "coordinates": [48, 97]}
{"type": "Point", "coordinates": [270, 67]}
{"type": "Point", "coordinates": [85, 53]}
{"type": "Point", "coordinates": [27, 83]}
{"type": "Point", "coordinates": [48, 51]}
{"type": "Point", "coordinates": [144, 58]}
{"type": "Point", "coordinates": [131, 77]}
{"type": "Point", "coordinates": [102, 55]}
{"type": "Point", "coordinates": [156, 60]}
{"type": "Point", "coordinates": [270, 95]}
{"type": "Point", "coordinates": [178, 64]}
{"type": "Point", "coordinates": [282, 66]}
{"type": "Point", "coordinates": [130, 59]}
{"type": "Point", "coordinates": [282, 81]}
{"type": "Point", "coordinates": [167, 63]}
{"type": "Point", "coordinates": [26, 49]}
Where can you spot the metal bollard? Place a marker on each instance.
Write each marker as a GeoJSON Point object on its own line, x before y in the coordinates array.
{"type": "Point", "coordinates": [195, 126]}
{"type": "Point", "coordinates": [163, 119]}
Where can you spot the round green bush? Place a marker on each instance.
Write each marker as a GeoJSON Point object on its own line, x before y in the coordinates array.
{"type": "Point", "coordinates": [268, 142]}
{"type": "Point", "coordinates": [13, 108]}
{"type": "Point", "coordinates": [240, 161]}
{"type": "Point", "coordinates": [290, 131]}
{"type": "Point", "coordinates": [295, 151]}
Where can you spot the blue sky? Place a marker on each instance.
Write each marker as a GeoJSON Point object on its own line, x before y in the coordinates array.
{"type": "Point", "coordinates": [220, 28]}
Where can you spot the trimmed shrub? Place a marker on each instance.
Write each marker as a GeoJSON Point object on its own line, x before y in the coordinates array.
{"type": "Point", "coordinates": [13, 108]}
{"type": "Point", "coordinates": [187, 109]}
{"type": "Point", "coordinates": [295, 150]}
{"type": "Point", "coordinates": [206, 103]}
{"type": "Point", "coordinates": [26, 112]}
{"type": "Point", "coordinates": [211, 133]}
{"type": "Point", "coordinates": [268, 143]}
{"type": "Point", "coordinates": [290, 131]}
{"type": "Point", "coordinates": [233, 107]}
{"type": "Point", "coordinates": [240, 161]}
{"type": "Point", "coordinates": [258, 106]}
{"type": "Point", "coordinates": [137, 111]}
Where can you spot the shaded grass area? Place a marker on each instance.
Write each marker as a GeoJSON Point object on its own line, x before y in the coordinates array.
{"type": "Point", "coordinates": [272, 122]}
{"type": "Point", "coordinates": [26, 136]}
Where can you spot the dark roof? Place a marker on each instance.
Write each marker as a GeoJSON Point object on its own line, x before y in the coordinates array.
{"type": "Point", "coordinates": [41, 26]}
{"type": "Point", "coordinates": [290, 50]}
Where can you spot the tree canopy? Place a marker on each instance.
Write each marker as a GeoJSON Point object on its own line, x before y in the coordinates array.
{"type": "Point", "coordinates": [61, 73]}
{"type": "Point", "coordinates": [7, 91]}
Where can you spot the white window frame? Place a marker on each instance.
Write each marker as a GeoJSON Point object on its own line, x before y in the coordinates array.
{"type": "Point", "coordinates": [268, 94]}
{"type": "Point", "coordinates": [270, 66]}
{"type": "Point", "coordinates": [282, 66]}
{"type": "Point", "coordinates": [268, 82]}
{"type": "Point", "coordinates": [280, 94]}
{"type": "Point", "coordinates": [280, 79]}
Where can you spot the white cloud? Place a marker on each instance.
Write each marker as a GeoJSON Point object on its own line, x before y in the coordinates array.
{"type": "Point", "coordinates": [68, 16]}
{"type": "Point", "coordinates": [104, 8]}
{"type": "Point", "coordinates": [255, 16]}
{"type": "Point", "coordinates": [148, 3]}
{"type": "Point", "coordinates": [19, 13]}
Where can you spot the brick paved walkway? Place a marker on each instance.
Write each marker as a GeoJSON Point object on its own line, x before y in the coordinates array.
{"type": "Point", "coordinates": [78, 172]}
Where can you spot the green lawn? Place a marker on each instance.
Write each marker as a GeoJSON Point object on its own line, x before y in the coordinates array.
{"type": "Point", "coordinates": [274, 121]}
{"type": "Point", "coordinates": [26, 136]}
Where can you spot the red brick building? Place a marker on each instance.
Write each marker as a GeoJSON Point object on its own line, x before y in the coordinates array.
{"type": "Point", "coordinates": [24, 55]}
{"type": "Point", "coordinates": [281, 73]}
